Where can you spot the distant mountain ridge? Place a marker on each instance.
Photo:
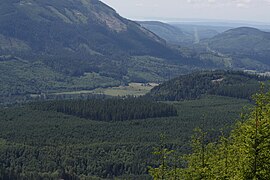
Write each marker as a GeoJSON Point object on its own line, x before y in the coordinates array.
{"type": "Point", "coordinates": [80, 44]}
{"type": "Point", "coordinates": [72, 25]}
{"type": "Point", "coordinates": [182, 34]}
{"type": "Point", "coordinates": [243, 38]}
{"type": "Point", "coordinates": [72, 45]}
{"type": "Point", "coordinates": [171, 34]}
{"type": "Point", "coordinates": [248, 47]}
{"type": "Point", "coordinates": [235, 48]}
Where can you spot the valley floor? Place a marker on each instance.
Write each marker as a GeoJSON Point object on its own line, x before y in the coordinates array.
{"type": "Point", "coordinates": [46, 143]}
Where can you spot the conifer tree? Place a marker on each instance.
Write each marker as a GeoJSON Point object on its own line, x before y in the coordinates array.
{"type": "Point", "coordinates": [244, 155]}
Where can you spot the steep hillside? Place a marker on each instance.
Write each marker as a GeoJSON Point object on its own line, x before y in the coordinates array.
{"type": "Point", "coordinates": [171, 34]}
{"type": "Point", "coordinates": [82, 30]}
{"type": "Point", "coordinates": [71, 25]}
{"type": "Point", "coordinates": [223, 83]}
{"type": "Point", "coordinates": [71, 40]}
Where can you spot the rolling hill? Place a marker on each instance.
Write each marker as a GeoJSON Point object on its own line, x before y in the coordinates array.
{"type": "Point", "coordinates": [248, 47]}
{"type": "Point", "coordinates": [223, 83]}
{"type": "Point", "coordinates": [234, 48]}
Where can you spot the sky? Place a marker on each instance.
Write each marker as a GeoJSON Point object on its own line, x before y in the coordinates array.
{"type": "Point", "coordinates": [171, 10]}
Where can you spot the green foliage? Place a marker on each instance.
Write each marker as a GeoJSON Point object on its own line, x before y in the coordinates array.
{"type": "Point", "coordinates": [223, 83]}
{"type": "Point", "coordinates": [251, 140]}
{"type": "Point", "coordinates": [152, 69]}
{"type": "Point", "coordinates": [110, 109]}
{"type": "Point", "coordinates": [198, 162]}
{"type": "Point", "coordinates": [20, 79]}
{"type": "Point", "coordinates": [56, 45]}
{"type": "Point", "coordinates": [222, 47]}
{"type": "Point", "coordinates": [46, 143]}
{"type": "Point", "coordinates": [239, 44]}
{"type": "Point", "coordinates": [243, 155]}
{"type": "Point", "coordinates": [163, 171]}
{"type": "Point", "coordinates": [65, 45]}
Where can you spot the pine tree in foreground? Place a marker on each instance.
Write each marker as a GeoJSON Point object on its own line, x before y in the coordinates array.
{"type": "Point", "coordinates": [244, 155]}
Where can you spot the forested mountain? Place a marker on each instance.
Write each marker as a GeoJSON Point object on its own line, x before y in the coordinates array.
{"type": "Point", "coordinates": [185, 35]}
{"type": "Point", "coordinates": [243, 39]}
{"type": "Point", "coordinates": [201, 31]}
{"type": "Point", "coordinates": [195, 85]}
{"type": "Point", "coordinates": [48, 47]}
{"type": "Point", "coordinates": [223, 47]}
{"type": "Point", "coordinates": [173, 35]}
{"type": "Point", "coordinates": [51, 46]}
{"type": "Point", "coordinates": [67, 68]}
{"type": "Point", "coordinates": [248, 47]}
{"type": "Point", "coordinates": [73, 27]}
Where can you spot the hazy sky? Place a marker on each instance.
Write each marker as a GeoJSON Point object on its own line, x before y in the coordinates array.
{"type": "Point", "coordinates": [247, 10]}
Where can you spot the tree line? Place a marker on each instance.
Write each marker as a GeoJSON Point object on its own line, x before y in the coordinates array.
{"type": "Point", "coordinates": [243, 155]}
{"type": "Point", "coordinates": [223, 83]}
{"type": "Point", "coordinates": [115, 109]}
{"type": "Point", "coordinates": [38, 144]}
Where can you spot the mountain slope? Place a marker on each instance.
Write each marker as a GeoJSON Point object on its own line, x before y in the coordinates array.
{"type": "Point", "coordinates": [71, 39]}
{"type": "Point", "coordinates": [249, 47]}
{"type": "Point", "coordinates": [183, 34]}
{"type": "Point", "coordinates": [202, 31]}
{"type": "Point", "coordinates": [73, 25]}
{"type": "Point", "coordinates": [171, 34]}
{"type": "Point", "coordinates": [74, 36]}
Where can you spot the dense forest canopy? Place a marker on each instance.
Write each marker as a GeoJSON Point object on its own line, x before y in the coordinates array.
{"type": "Point", "coordinates": [242, 155]}
{"type": "Point", "coordinates": [59, 57]}
{"type": "Point", "coordinates": [224, 83]}
{"type": "Point", "coordinates": [71, 45]}
{"type": "Point", "coordinates": [117, 109]}
{"type": "Point", "coordinates": [38, 144]}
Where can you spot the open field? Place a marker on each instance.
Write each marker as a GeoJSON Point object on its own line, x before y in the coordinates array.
{"type": "Point", "coordinates": [133, 89]}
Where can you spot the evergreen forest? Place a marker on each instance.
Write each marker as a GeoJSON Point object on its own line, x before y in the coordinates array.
{"type": "Point", "coordinates": [43, 143]}
{"type": "Point", "coordinates": [244, 154]}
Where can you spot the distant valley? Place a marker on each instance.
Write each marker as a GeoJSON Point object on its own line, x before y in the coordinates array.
{"type": "Point", "coordinates": [88, 94]}
{"type": "Point", "coordinates": [183, 34]}
{"type": "Point", "coordinates": [242, 48]}
{"type": "Point", "coordinates": [49, 47]}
